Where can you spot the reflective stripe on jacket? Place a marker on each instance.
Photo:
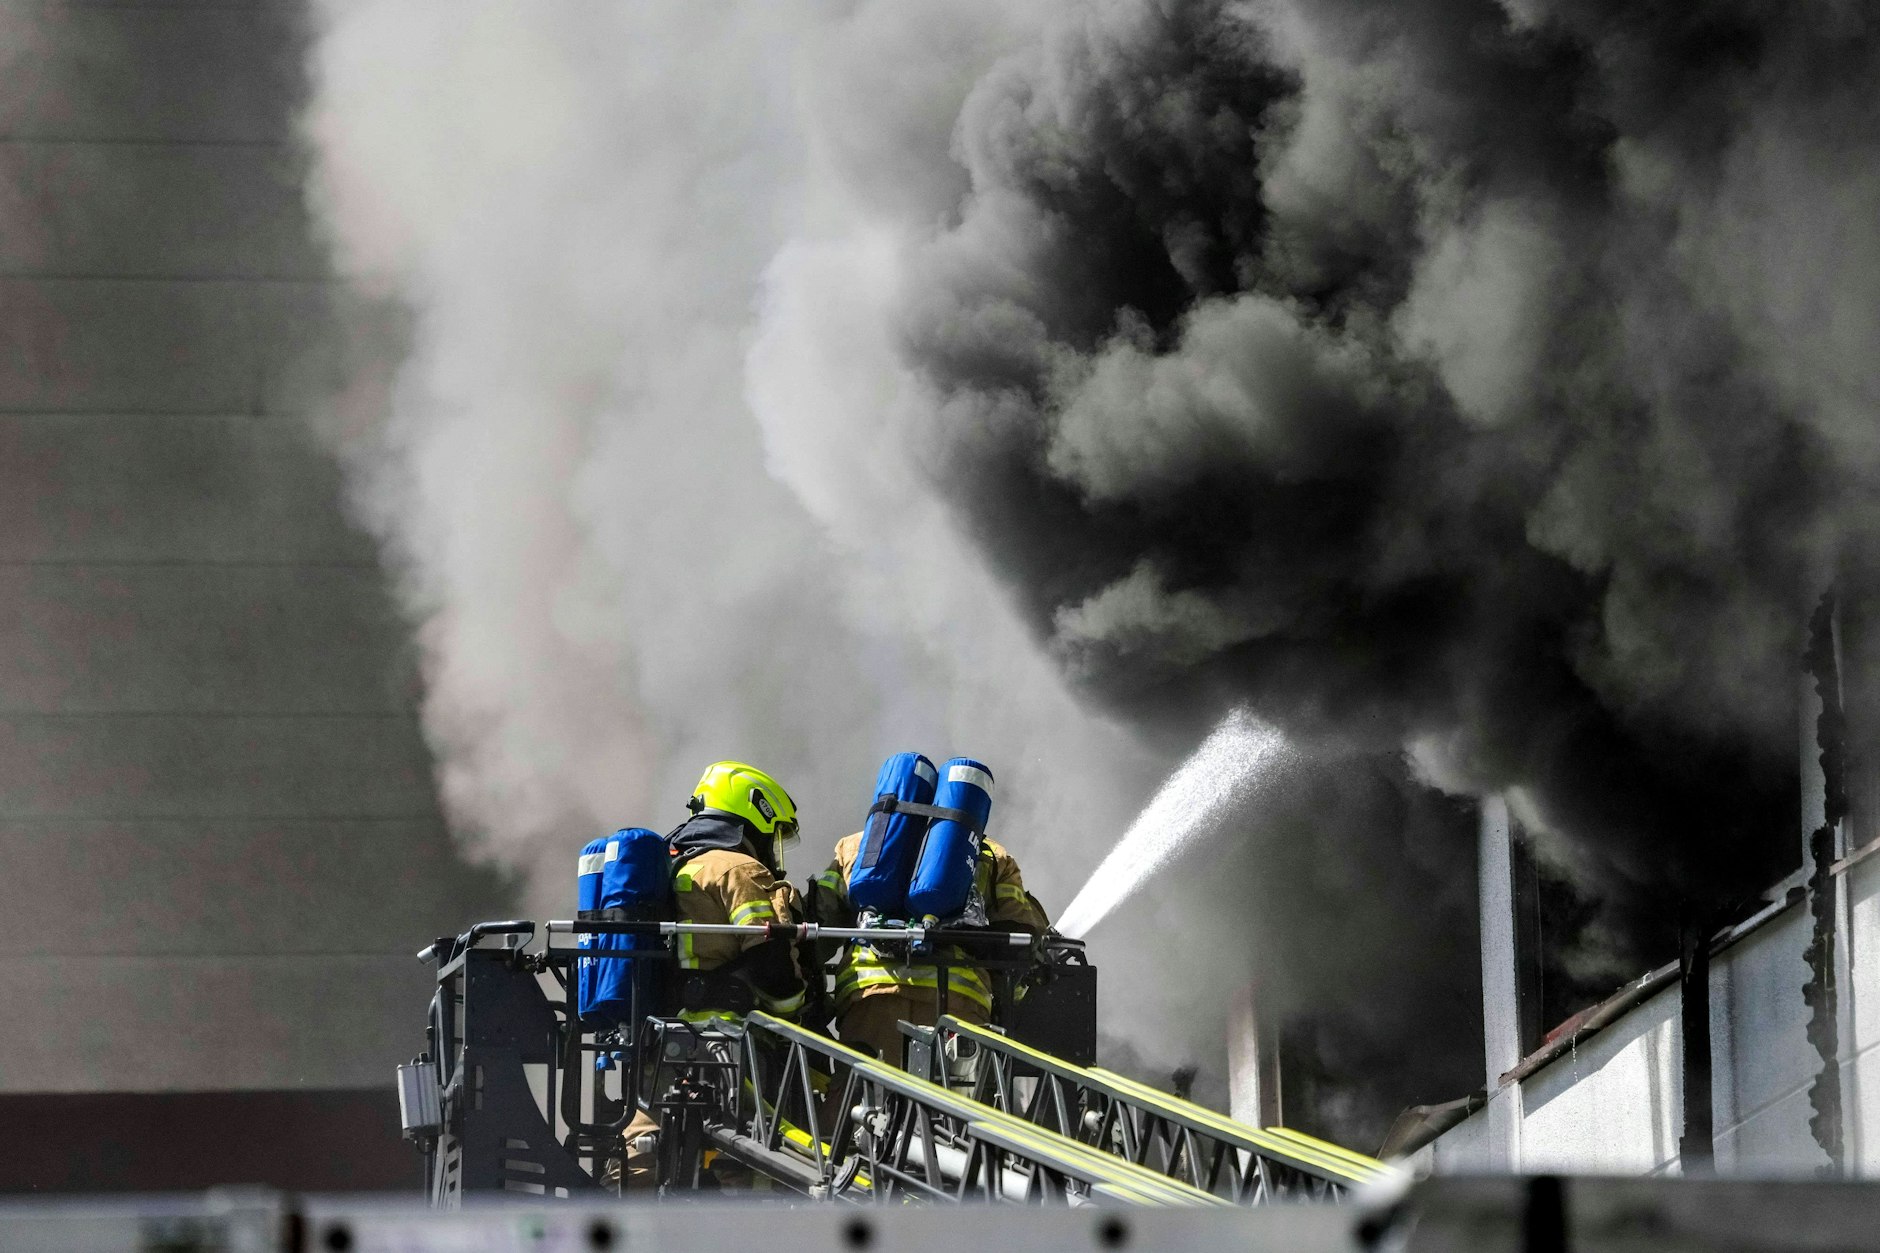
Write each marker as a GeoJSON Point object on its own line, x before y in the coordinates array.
{"type": "Point", "coordinates": [865, 971]}
{"type": "Point", "coordinates": [720, 886]}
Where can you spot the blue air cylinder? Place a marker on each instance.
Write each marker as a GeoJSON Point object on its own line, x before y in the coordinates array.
{"type": "Point", "coordinates": [949, 856]}
{"type": "Point", "coordinates": [635, 885]}
{"type": "Point", "coordinates": [587, 900]}
{"type": "Point", "coordinates": [891, 842]}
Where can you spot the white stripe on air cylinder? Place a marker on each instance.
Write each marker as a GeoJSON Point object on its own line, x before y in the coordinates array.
{"type": "Point", "coordinates": [613, 850]}
{"type": "Point", "coordinates": [924, 770]}
{"type": "Point", "coordinates": [590, 863]}
{"type": "Point", "coordinates": [967, 774]}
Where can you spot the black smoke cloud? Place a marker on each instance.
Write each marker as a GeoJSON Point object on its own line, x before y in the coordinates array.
{"type": "Point", "coordinates": [1488, 381]}
{"type": "Point", "coordinates": [1398, 368]}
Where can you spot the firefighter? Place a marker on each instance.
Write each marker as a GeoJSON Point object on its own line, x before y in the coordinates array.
{"type": "Point", "coordinates": [727, 867]}
{"type": "Point", "coordinates": [876, 990]}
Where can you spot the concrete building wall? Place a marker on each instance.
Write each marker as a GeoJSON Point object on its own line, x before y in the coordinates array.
{"type": "Point", "coordinates": [1614, 1104]}
{"type": "Point", "coordinates": [1611, 1106]}
{"type": "Point", "coordinates": [1762, 1064]}
{"type": "Point", "coordinates": [216, 813]}
{"type": "Point", "coordinates": [1860, 1016]}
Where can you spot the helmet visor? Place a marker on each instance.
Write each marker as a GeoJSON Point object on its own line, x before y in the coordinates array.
{"type": "Point", "coordinates": [782, 837]}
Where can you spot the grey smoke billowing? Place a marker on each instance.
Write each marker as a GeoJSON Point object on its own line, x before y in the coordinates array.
{"type": "Point", "coordinates": [640, 482]}
{"type": "Point", "coordinates": [1346, 894]}
{"type": "Point", "coordinates": [1493, 385]}
{"type": "Point", "coordinates": [1486, 387]}
{"type": "Point", "coordinates": [1432, 375]}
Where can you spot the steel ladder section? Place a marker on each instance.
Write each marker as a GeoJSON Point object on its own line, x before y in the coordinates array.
{"type": "Point", "coordinates": [898, 1137]}
{"type": "Point", "coordinates": [1170, 1136]}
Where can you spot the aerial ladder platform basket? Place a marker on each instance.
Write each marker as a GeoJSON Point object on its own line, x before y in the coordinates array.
{"type": "Point", "coordinates": [515, 1094]}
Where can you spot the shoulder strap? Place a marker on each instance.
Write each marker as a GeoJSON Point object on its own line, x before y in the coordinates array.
{"type": "Point", "coordinates": [893, 805]}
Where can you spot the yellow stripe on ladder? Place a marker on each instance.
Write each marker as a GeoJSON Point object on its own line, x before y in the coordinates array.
{"type": "Point", "coordinates": [1330, 1157]}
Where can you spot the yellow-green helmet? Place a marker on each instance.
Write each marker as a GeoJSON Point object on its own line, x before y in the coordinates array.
{"type": "Point", "coordinates": [731, 787]}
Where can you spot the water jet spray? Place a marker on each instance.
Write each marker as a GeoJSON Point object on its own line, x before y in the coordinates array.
{"type": "Point", "coordinates": [1238, 756]}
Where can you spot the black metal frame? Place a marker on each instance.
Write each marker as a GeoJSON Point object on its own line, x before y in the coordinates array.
{"type": "Point", "coordinates": [489, 1021]}
{"type": "Point", "coordinates": [490, 1018]}
{"type": "Point", "coordinates": [807, 1112]}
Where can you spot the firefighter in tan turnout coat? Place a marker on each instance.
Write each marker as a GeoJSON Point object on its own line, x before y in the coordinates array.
{"type": "Point", "coordinates": [875, 990]}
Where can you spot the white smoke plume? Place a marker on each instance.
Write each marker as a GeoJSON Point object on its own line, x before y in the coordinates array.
{"type": "Point", "coordinates": [643, 471]}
